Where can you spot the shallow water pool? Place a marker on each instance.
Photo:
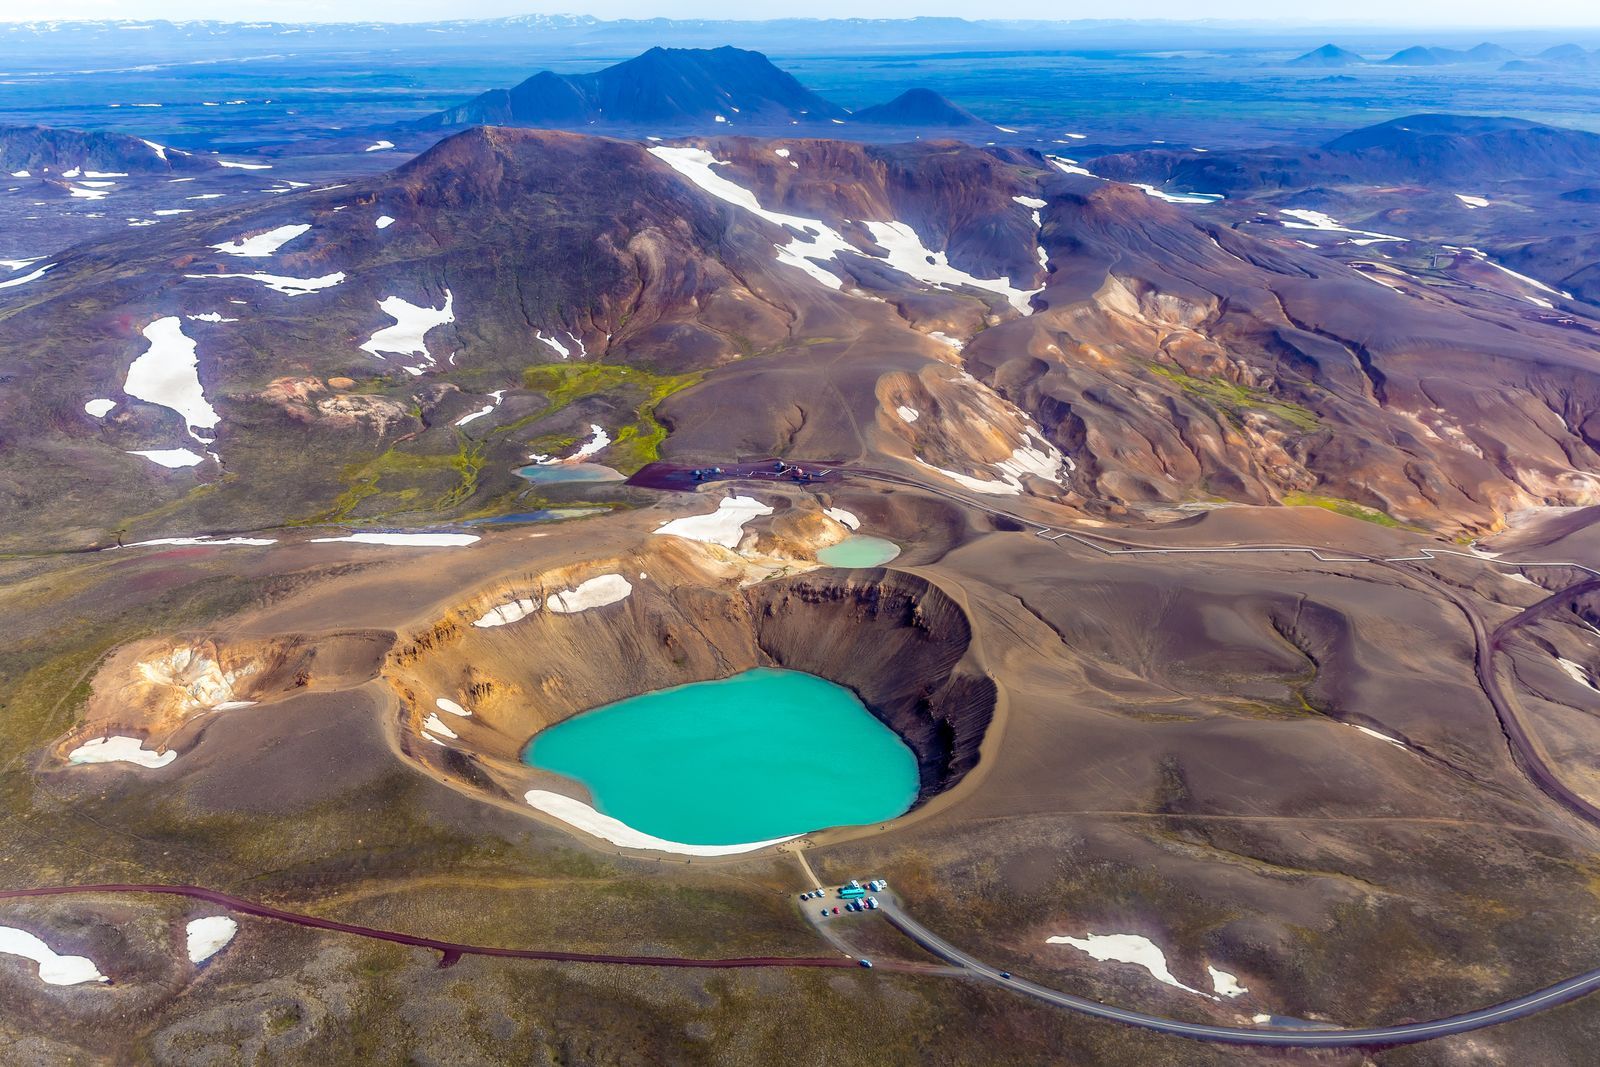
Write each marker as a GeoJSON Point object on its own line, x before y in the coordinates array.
{"type": "Point", "coordinates": [556, 473]}
{"type": "Point", "coordinates": [859, 550]}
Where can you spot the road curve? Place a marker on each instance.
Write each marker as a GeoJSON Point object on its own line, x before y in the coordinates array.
{"type": "Point", "coordinates": [450, 951]}
{"type": "Point", "coordinates": [1405, 1034]}
{"type": "Point", "coordinates": [1526, 754]}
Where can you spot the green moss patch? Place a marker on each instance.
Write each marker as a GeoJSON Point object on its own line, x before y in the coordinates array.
{"type": "Point", "coordinates": [1340, 506]}
{"type": "Point", "coordinates": [1233, 399]}
{"type": "Point", "coordinates": [633, 445]}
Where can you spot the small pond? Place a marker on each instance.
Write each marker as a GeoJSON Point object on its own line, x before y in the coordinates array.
{"type": "Point", "coordinates": [859, 550]}
{"type": "Point", "coordinates": [557, 473]}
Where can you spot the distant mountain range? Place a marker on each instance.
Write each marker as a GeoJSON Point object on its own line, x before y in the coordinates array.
{"type": "Point", "coordinates": [675, 87]}
{"type": "Point", "coordinates": [1565, 55]}
{"type": "Point", "coordinates": [1432, 148]}
{"type": "Point", "coordinates": [618, 37]}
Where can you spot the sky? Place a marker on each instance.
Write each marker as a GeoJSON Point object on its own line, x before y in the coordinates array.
{"type": "Point", "coordinates": [1441, 13]}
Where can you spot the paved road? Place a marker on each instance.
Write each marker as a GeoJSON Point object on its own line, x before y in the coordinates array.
{"type": "Point", "coordinates": [1405, 1034]}
{"type": "Point", "coordinates": [1525, 751]}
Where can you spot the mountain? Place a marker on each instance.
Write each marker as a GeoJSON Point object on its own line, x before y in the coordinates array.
{"type": "Point", "coordinates": [1565, 53]}
{"type": "Point", "coordinates": [921, 108]}
{"type": "Point", "coordinates": [44, 149]}
{"type": "Point", "coordinates": [1458, 146]}
{"type": "Point", "coordinates": [732, 296]}
{"type": "Point", "coordinates": [634, 265]}
{"type": "Point", "coordinates": [1422, 148]}
{"type": "Point", "coordinates": [1488, 52]}
{"type": "Point", "coordinates": [1421, 56]}
{"type": "Point", "coordinates": [1329, 55]}
{"type": "Point", "coordinates": [664, 87]}
{"type": "Point", "coordinates": [1556, 58]}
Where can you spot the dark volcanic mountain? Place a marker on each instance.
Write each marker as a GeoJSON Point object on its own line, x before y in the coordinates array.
{"type": "Point", "coordinates": [39, 149]}
{"type": "Point", "coordinates": [921, 108]}
{"type": "Point", "coordinates": [1329, 55]}
{"type": "Point", "coordinates": [664, 87]}
{"type": "Point", "coordinates": [1424, 148]}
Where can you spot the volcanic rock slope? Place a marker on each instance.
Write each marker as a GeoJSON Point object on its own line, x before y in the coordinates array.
{"type": "Point", "coordinates": [44, 148]}
{"type": "Point", "coordinates": [1520, 192]}
{"type": "Point", "coordinates": [390, 349]}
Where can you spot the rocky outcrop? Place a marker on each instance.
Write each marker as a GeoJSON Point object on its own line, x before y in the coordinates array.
{"type": "Point", "coordinates": [897, 641]}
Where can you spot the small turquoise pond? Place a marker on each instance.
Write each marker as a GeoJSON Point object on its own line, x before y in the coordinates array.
{"type": "Point", "coordinates": [554, 473]}
{"type": "Point", "coordinates": [859, 550]}
{"type": "Point", "coordinates": [761, 755]}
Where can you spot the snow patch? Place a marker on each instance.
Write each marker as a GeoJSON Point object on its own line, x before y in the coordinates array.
{"type": "Point", "coordinates": [577, 814]}
{"type": "Point", "coordinates": [1317, 220]}
{"type": "Point", "coordinates": [1070, 166]}
{"type": "Point", "coordinates": [53, 969]}
{"type": "Point", "coordinates": [1472, 201]}
{"type": "Point", "coordinates": [99, 408]}
{"type": "Point", "coordinates": [1396, 742]}
{"type": "Point", "coordinates": [435, 725]}
{"type": "Point", "coordinates": [117, 749]}
{"type": "Point", "coordinates": [452, 708]}
{"type": "Point", "coordinates": [908, 414]}
{"type": "Point", "coordinates": [1225, 984]}
{"type": "Point", "coordinates": [411, 325]}
{"type": "Point", "coordinates": [411, 540]}
{"type": "Point", "coordinates": [1576, 672]}
{"type": "Point", "coordinates": [908, 255]}
{"type": "Point", "coordinates": [1179, 198]}
{"type": "Point", "coordinates": [25, 279]}
{"type": "Point", "coordinates": [168, 374]}
{"type": "Point", "coordinates": [208, 936]}
{"type": "Point", "coordinates": [203, 539]}
{"type": "Point", "coordinates": [286, 286]}
{"type": "Point", "coordinates": [509, 612]}
{"type": "Point", "coordinates": [378, 146]}
{"type": "Point", "coordinates": [819, 240]}
{"type": "Point", "coordinates": [724, 527]}
{"type": "Point", "coordinates": [843, 517]}
{"type": "Point", "coordinates": [594, 593]}
{"type": "Point", "coordinates": [1034, 456]}
{"type": "Point", "coordinates": [384, 222]}
{"type": "Point", "coordinates": [1125, 948]}
{"type": "Point", "coordinates": [252, 542]}
{"type": "Point", "coordinates": [171, 458]}
{"type": "Point", "coordinates": [262, 244]}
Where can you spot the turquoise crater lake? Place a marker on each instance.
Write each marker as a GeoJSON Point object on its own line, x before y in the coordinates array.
{"type": "Point", "coordinates": [762, 755]}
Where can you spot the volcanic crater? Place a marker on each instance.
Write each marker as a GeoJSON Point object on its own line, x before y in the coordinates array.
{"type": "Point", "coordinates": [896, 640]}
